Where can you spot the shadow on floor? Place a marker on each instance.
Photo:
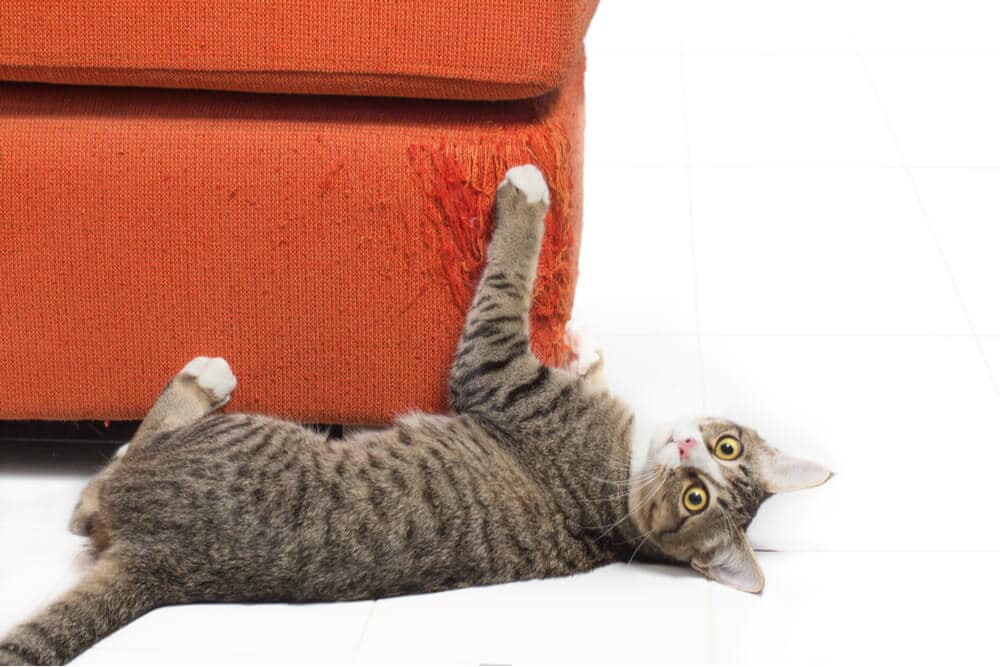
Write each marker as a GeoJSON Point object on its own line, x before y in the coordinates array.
{"type": "Point", "coordinates": [69, 448]}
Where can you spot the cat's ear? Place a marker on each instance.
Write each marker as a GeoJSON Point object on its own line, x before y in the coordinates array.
{"type": "Point", "coordinates": [733, 565]}
{"type": "Point", "coordinates": [782, 472]}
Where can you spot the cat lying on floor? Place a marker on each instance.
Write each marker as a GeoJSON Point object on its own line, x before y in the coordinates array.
{"type": "Point", "coordinates": [539, 472]}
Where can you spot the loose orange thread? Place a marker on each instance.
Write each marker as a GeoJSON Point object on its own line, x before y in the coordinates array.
{"type": "Point", "coordinates": [460, 184]}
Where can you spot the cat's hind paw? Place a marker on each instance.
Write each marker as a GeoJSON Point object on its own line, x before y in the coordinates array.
{"type": "Point", "coordinates": [213, 376]}
{"type": "Point", "coordinates": [586, 359]}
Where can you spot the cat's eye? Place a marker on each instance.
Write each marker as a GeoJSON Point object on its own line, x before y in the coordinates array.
{"type": "Point", "coordinates": [728, 448]}
{"type": "Point", "coordinates": [695, 498]}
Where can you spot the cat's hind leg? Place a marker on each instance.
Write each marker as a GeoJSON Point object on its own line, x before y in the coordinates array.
{"type": "Point", "coordinates": [108, 597]}
{"type": "Point", "coordinates": [203, 385]}
{"type": "Point", "coordinates": [586, 359]}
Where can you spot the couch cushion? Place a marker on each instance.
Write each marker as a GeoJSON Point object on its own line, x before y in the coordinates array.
{"type": "Point", "coordinates": [461, 49]}
{"type": "Point", "coordinates": [327, 246]}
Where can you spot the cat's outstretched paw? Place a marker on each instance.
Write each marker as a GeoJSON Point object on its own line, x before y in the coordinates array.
{"type": "Point", "coordinates": [586, 359]}
{"type": "Point", "coordinates": [521, 204]}
{"type": "Point", "coordinates": [529, 180]}
{"type": "Point", "coordinates": [213, 376]}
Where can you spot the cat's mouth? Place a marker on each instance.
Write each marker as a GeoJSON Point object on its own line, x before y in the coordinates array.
{"type": "Point", "coordinates": [666, 532]}
{"type": "Point", "coordinates": [667, 454]}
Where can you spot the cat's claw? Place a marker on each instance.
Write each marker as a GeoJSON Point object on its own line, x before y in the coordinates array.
{"type": "Point", "coordinates": [528, 179]}
{"type": "Point", "coordinates": [213, 376]}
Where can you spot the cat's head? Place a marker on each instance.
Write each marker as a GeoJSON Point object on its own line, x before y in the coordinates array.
{"type": "Point", "coordinates": [700, 486]}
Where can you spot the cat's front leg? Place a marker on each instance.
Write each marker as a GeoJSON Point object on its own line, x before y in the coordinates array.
{"type": "Point", "coordinates": [494, 369]}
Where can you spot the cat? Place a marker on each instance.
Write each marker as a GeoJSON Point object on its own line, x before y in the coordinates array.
{"type": "Point", "coordinates": [538, 472]}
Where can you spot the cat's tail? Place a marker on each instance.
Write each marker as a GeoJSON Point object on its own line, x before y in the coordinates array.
{"type": "Point", "coordinates": [104, 601]}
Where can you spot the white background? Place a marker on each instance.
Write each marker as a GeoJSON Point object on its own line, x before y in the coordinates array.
{"type": "Point", "coordinates": [793, 220]}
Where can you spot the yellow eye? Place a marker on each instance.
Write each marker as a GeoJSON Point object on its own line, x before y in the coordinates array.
{"type": "Point", "coordinates": [728, 448]}
{"type": "Point", "coordinates": [695, 498]}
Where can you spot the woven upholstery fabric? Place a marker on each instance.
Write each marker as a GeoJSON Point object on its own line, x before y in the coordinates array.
{"type": "Point", "coordinates": [456, 49]}
{"type": "Point", "coordinates": [328, 247]}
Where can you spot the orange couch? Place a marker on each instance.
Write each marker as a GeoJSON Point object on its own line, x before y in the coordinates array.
{"type": "Point", "coordinates": [326, 245]}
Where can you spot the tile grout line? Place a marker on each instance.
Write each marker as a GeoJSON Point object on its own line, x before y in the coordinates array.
{"type": "Point", "coordinates": [833, 334]}
{"type": "Point", "coordinates": [828, 167]}
{"type": "Point", "coordinates": [792, 552]}
{"type": "Point", "coordinates": [786, 166]}
{"type": "Point", "coordinates": [709, 653]}
{"type": "Point", "coordinates": [356, 653]}
{"type": "Point", "coordinates": [928, 222]}
{"type": "Point", "coordinates": [690, 208]}
{"type": "Point", "coordinates": [756, 334]}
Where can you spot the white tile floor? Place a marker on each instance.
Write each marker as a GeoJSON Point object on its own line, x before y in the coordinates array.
{"type": "Point", "coordinates": [802, 202]}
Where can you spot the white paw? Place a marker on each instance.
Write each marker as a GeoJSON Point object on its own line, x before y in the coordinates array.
{"type": "Point", "coordinates": [121, 450]}
{"type": "Point", "coordinates": [214, 377]}
{"type": "Point", "coordinates": [584, 352]}
{"type": "Point", "coordinates": [528, 179]}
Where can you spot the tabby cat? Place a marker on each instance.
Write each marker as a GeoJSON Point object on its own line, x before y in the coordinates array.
{"type": "Point", "coordinates": [539, 472]}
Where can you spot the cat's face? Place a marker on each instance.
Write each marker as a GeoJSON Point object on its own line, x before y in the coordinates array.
{"type": "Point", "coordinates": [700, 486]}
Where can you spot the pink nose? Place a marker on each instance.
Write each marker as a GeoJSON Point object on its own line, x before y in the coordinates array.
{"type": "Point", "coordinates": [685, 446]}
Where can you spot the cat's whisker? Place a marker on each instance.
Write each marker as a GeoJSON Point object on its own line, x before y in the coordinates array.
{"type": "Point", "coordinates": [638, 480]}
{"type": "Point", "coordinates": [628, 515]}
{"type": "Point", "coordinates": [641, 477]}
{"type": "Point", "coordinates": [624, 468]}
{"type": "Point", "coordinates": [609, 481]}
{"type": "Point", "coordinates": [624, 480]}
{"type": "Point", "coordinates": [611, 525]}
{"type": "Point", "coordinates": [647, 536]}
{"type": "Point", "coordinates": [614, 496]}
{"type": "Point", "coordinates": [729, 520]}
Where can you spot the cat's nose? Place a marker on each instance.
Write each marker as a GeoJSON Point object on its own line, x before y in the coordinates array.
{"type": "Point", "coordinates": [685, 447]}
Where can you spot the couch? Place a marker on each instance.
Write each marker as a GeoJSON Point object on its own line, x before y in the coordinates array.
{"type": "Point", "coordinates": [302, 187]}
